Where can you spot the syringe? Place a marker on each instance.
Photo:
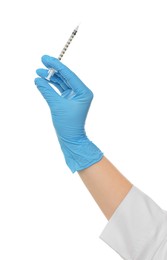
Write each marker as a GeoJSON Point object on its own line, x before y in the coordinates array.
{"type": "Point", "coordinates": [52, 71]}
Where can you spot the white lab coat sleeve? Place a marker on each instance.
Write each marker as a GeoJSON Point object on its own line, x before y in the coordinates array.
{"type": "Point", "coordinates": [138, 228]}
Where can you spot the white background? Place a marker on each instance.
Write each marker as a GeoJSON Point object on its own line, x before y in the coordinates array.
{"type": "Point", "coordinates": [120, 53]}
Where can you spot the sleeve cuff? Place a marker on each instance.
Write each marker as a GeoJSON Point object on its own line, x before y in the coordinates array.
{"type": "Point", "coordinates": [138, 227]}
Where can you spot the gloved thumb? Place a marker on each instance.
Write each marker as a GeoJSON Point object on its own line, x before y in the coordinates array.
{"type": "Point", "coordinates": [49, 94]}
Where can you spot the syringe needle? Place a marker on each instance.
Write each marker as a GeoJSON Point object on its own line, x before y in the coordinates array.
{"type": "Point", "coordinates": [52, 71]}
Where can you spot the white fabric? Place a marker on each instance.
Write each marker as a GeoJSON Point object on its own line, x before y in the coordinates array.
{"type": "Point", "coordinates": [138, 228]}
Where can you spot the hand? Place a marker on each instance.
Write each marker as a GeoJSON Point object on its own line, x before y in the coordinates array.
{"type": "Point", "coordinates": [69, 111]}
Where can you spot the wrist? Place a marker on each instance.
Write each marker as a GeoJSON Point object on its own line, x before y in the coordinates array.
{"type": "Point", "coordinates": [80, 154]}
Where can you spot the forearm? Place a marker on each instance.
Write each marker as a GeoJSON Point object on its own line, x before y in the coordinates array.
{"type": "Point", "coordinates": [106, 184]}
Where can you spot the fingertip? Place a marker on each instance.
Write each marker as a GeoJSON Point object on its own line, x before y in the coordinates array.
{"type": "Point", "coordinates": [42, 72]}
{"type": "Point", "coordinates": [38, 71]}
{"type": "Point", "coordinates": [51, 62]}
{"type": "Point", "coordinates": [44, 58]}
{"type": "Point", "coordinates": [47, 58]}
{"type": "Point", "coordinates": [36, 81]}
{"type": "Point", "coordinates": [46, 90]}
{"type": "Point", "coordinates": [40, 82]}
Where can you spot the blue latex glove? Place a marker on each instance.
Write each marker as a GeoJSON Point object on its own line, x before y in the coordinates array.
{"type": "Point", "coordinates": [69, 110]}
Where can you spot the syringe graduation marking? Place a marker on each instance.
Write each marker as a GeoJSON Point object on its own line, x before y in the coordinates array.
{"type": "Point", "coordinates": [52, 71]}
{"type": "Point", "coordinates": [68, 43]}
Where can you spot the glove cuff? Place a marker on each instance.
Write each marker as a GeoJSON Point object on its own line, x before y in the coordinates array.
{"type": "Point", "coordinates": [80, 155]}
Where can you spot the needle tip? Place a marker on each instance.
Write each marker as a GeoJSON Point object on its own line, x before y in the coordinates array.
{"type": "Point", "coordinates": [76, 29]}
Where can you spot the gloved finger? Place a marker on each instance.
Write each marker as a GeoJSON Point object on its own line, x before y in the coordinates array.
{"type": "Point", "coordinates": [49, 94]}
{"type": "Point", "coordinates": [69, 77]}
{"type": "Point", "coordinates": [57, 82]}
